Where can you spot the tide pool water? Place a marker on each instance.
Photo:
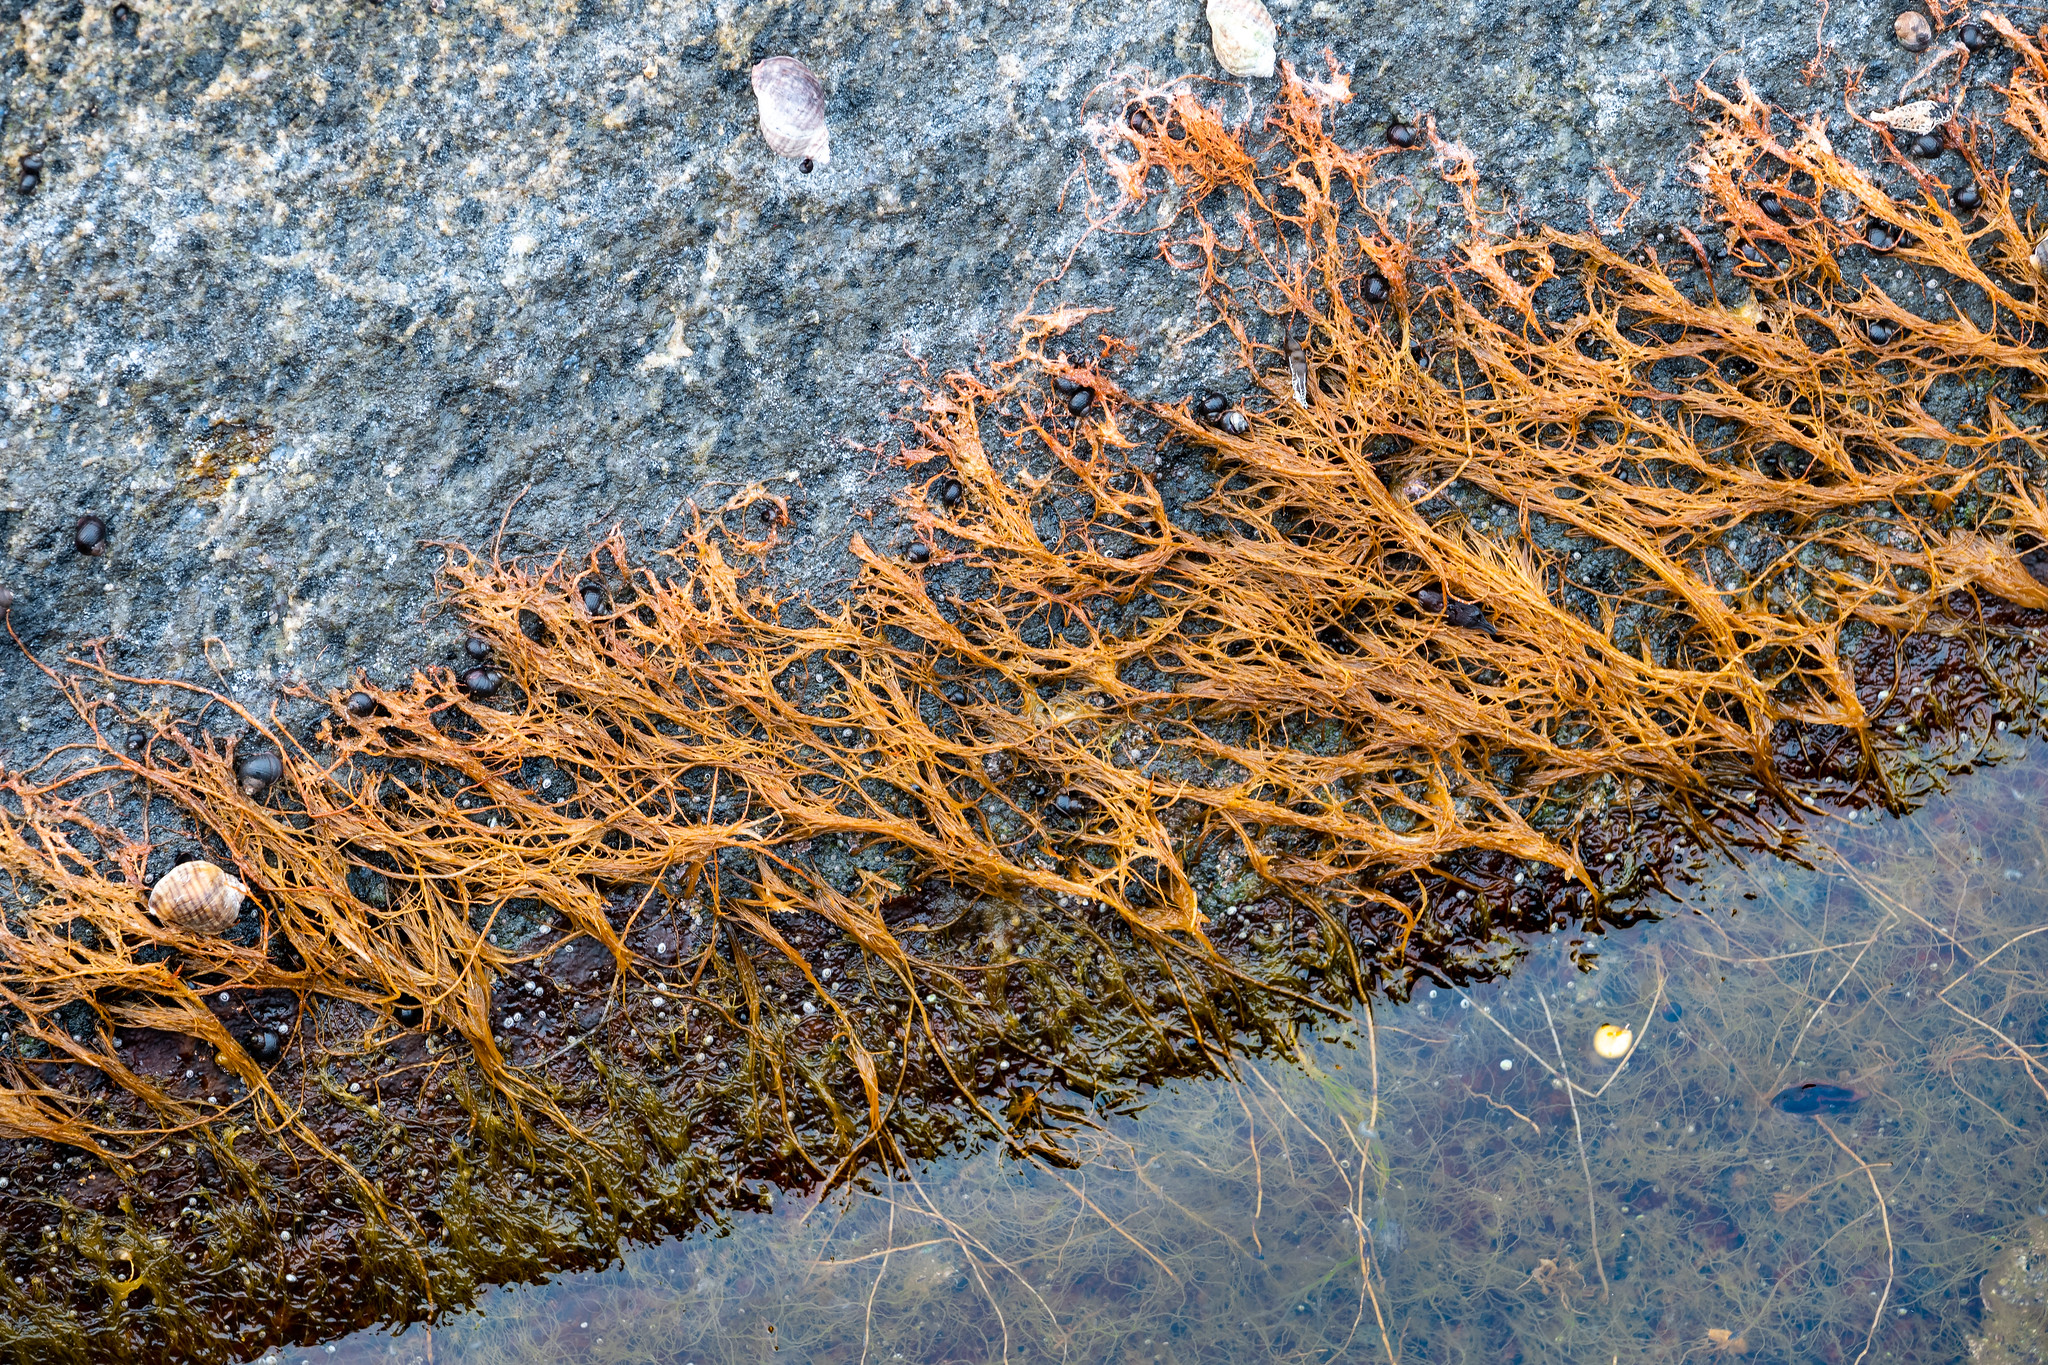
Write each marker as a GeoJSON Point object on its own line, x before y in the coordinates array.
{"type": "Point", "coordinates": [1827, 1130]}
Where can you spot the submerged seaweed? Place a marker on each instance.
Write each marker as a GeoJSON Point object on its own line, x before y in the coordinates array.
{"type": "Point", "coordinates": [718, 892]}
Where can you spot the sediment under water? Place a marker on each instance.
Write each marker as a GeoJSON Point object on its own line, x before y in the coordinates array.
{"type": "Point", "coordinates": [1509, 1193]}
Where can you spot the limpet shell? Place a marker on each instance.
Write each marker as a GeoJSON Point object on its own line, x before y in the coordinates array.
{"type": "Point", "coordinates": [1242, 33]}
{"type": "Point", "coordinates": [198, 898]}
{"type": "Point", "coordinates": [792, 107]}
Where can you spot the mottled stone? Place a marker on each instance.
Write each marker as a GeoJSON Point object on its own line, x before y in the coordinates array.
{"type": "Point", "coordinates": [303, 289]}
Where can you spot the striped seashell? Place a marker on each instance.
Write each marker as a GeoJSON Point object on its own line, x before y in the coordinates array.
{"type": "Point", "coordinates": [792, 105]}
{"type": "Point", "coordinates": [1242, 33]}
{"type": "Point", "coordinates": [198, 898]}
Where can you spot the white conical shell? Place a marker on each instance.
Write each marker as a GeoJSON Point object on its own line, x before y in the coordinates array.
{"type": "Point", "coordinates": [198, 898]}
{"type": "Point", "coordinates": [792, 105]}
{"type": "Point", "coordinates": [1242, 33]}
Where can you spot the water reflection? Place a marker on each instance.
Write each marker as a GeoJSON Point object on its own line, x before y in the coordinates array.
{"type": "Point", "coordinates": [1467, 1177]}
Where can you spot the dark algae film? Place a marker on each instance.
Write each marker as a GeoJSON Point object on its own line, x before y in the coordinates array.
{"type": "Point", "coordinates": [1507, 585]}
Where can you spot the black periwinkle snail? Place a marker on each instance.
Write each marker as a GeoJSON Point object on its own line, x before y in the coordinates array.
{"type": "Point", "coordinates": [31, 173]}
{"type": "Point", "coordinates": [90, 536]}
{"type": "Point", "coordinates": [408, 1014]}
{"type": "Point", "coordinates": [266, 1047]}
{"type": "Point", "coordinates": [1065, 387]}
{"type": "Point", "coordinates": [593, 599]}
{"type": "Point", "coordinates": [1883, 333]}
{"type": "Point", "coordinates": [361, 704]}
{"type": "Point", "coordinates": [1078, 403]}
{"type": "Point", "coordinates": [482, 682]}
{"type": "Point", "coordinates": [1974, 37]}
{"type": "Point", "coordinates": [1235, 422]}
{"type": "Point", "coordinates": [1927, 146]}
{"type": "Point", "coordinates": [1968, 198]}
{"type": "Point", "coordinates": [1772, 206]}
{"type": "Point", "coordinates": [479, 648]}
{"type": "Point", "coordinates": [919, 553]}
{"type": "Point", "coordinates": [1376, 288]}
{"type": "Point", "coordinates": [1400, 135]}
{"type": "Point", "coordinates": [257, 771]}
{"type": "Point", "coordinates": [1212, 407]}
{"type": "Point", "coordinates": [950, 492]}
{"type": "Point", "coordinates": [1071, 803]}
{"type": "Point", "coordinates": [1882, 236]}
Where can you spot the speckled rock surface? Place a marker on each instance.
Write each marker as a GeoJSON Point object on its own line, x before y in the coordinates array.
{"type": "Point", "coordinates": [299, 290]}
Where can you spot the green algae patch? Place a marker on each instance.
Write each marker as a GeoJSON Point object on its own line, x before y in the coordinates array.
{"type": "Point", "coordinates": [1507, 595]}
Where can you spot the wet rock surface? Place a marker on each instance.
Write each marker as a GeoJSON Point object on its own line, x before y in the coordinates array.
{"type": "Point", "coordinates": [293, 293]}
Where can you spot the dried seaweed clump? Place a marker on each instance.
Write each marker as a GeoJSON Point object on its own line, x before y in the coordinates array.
{"type": "Point", "coordinates": [1553, 526]}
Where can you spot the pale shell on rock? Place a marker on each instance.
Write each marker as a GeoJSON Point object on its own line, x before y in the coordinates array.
{"type": "Point", "coordinates": [198, 898]}
{"type": "Point", "coordinates": [792, 107]}
{"type": "Point", "coordinates": [1243, 34]}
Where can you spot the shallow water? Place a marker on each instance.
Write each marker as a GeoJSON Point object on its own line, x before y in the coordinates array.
{"type": "Point", "coordinates": [1463, 1178]}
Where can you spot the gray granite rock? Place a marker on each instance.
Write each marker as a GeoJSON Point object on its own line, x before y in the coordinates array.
{"type": "Point", "coordinates": [300, 290]}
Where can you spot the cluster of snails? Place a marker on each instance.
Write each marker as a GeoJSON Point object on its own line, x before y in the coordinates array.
{"type": "Point", "coordinates": [481, 680]}
{"type": "Point", "coordinates": [1215, 409]}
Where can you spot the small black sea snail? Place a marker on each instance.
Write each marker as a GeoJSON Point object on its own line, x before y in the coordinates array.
{"type": "Point", "coordinates": [1927, 146]}
{"type": "Point", "coordinates": [1072, 803]}
{"type": "Point", "coordinates": [361, 705]}
{"type": "Point", "coordinates": [950, 492]}
{"type": "Point", "coordinates": [482, 682]}
{"type": "Point", "coordinates": [1376, 289]}
{"type": "Point", "coordinates": [593, 599]}
{"type": "Point", "coordinates": [257, 771]}
{"type": "Point", "coordinates": [408, 1014]}
{"type": "Point", "coordinates": [266, 1047]}
{"type": "Point", "coordinates": [1401, 135]}
{"type": "Point", "coordinates": [919, 553]}
{"type": "Point", "coordinates": [1968, 198]}
{"type": "Point", "coordinates": [478, 648]}
{"type": "Point", "coordinates": [90, 535]}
